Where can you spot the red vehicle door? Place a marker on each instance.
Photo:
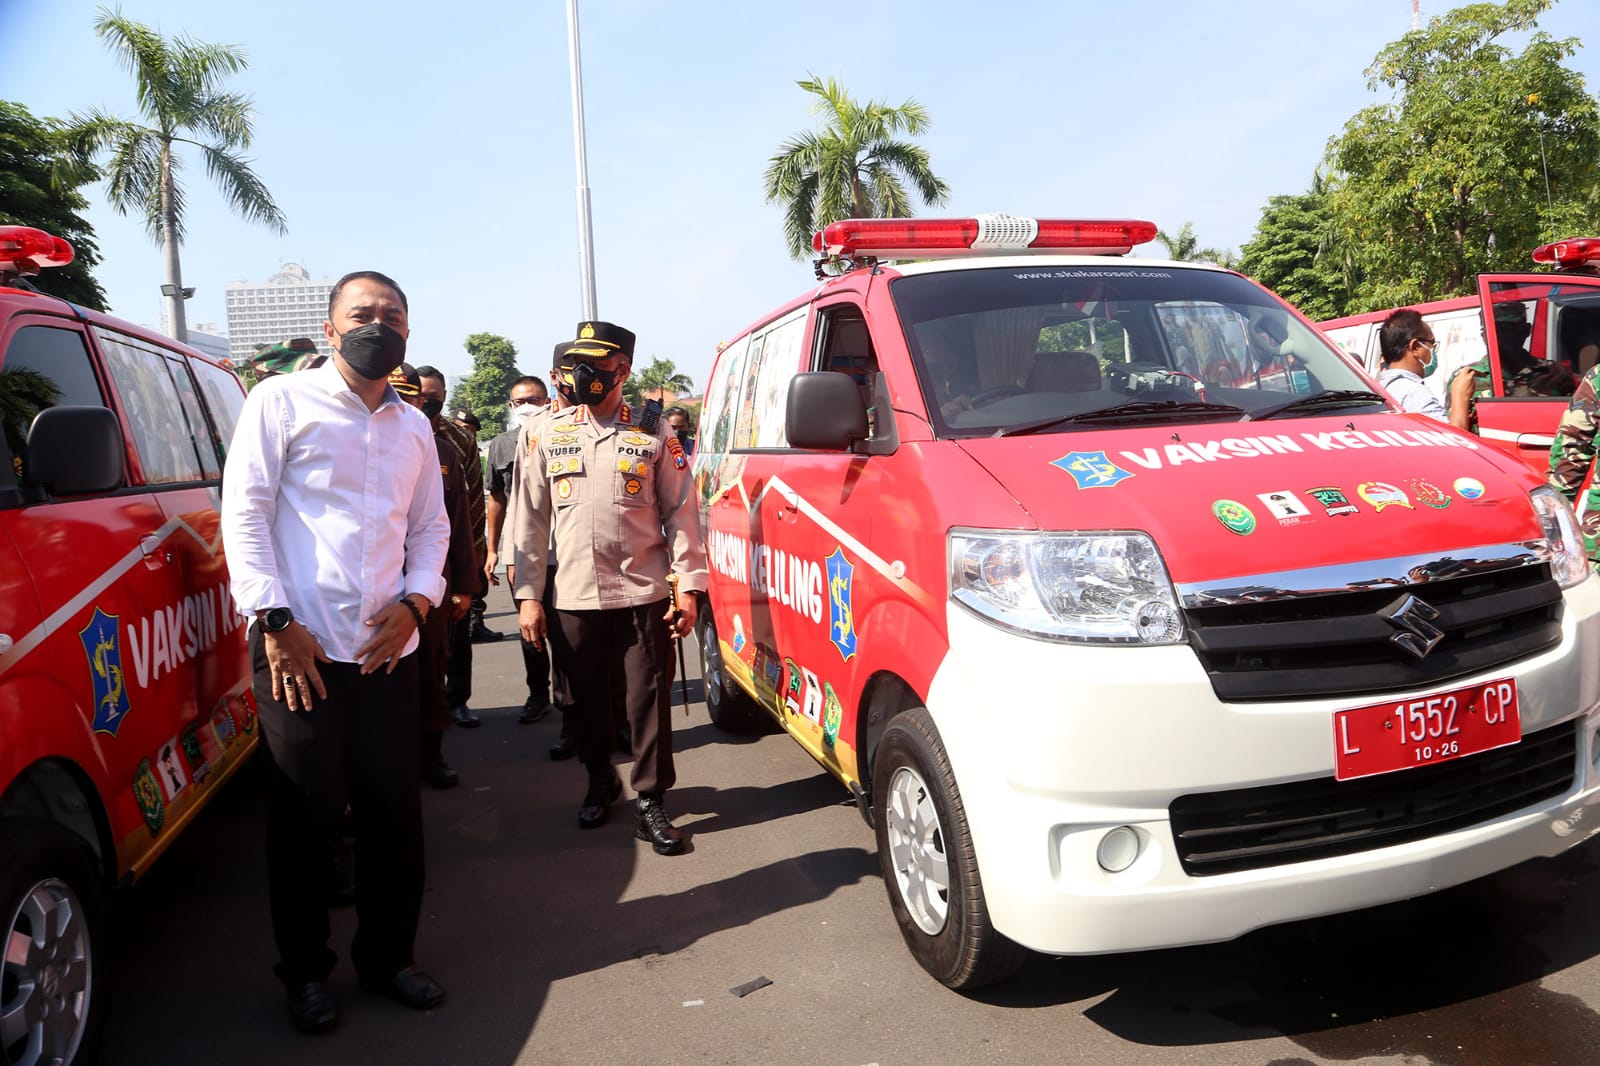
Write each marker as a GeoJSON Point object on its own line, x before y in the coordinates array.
{"type": "Point", "coordinates": [1537, 329]}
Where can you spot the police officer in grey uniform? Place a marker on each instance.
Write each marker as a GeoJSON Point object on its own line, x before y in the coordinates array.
{"type": "Point", "coordinates": [618, 496]}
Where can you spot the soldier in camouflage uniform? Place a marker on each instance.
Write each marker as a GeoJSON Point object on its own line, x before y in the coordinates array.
{"type": "Point", "coordinates": [1572, 458]}
{"type": "Point", "coordinates": [285, 357]}
{"type": "Point", "coordinates": [1524, 374]}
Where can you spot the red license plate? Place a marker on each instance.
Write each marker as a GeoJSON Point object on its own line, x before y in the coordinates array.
{"type": "Point", "coordinates": [1401, 734]}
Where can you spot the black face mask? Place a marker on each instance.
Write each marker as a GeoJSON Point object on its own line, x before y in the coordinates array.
{"type": "Point", "coordinates": [590, 384]}
{"type": "Point", "coordinates": [432, 407]}
{"type": "Point", "coordinates": [683, 436]}
{"type": "Point", "coordinates": [372, 350]}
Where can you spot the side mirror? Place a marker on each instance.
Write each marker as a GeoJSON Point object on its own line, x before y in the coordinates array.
{"type": "Point", "coordinates": [74, 451]}
{"type": "Point", "coordinates": [825, 412]}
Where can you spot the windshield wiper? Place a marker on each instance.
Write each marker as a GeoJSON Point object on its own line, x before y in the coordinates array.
{"type": "Point", "coordinates": [1132, 411]}
{"type": "Point", "coordinates": [1330, 398]}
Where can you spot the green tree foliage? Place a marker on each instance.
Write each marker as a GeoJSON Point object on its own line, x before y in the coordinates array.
{"type": "Point", "coordinates": [1296, 254]}
{"type": "Point", "coordinates": [31, 152]}
{"type": "Point", "coordinates": [1185, 247]}
{"type": "Point", "coordinates": [1449, 177]}
{"type": "Point", "coordinates": [854, 167]}
{"type": "Point", "coordinates": [486, 389]}
{"type": "Point", "coordinates": [649, 381]}
{"type": "Point", "coordinates": [181, 102]}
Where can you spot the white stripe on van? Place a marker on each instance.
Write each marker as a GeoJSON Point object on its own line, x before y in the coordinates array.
{"type": "Point", "coordinates": [1527, 440]}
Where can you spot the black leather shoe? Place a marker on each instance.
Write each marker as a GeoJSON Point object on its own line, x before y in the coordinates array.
{"type": "Point", "coordinates": [440, 774]}
{"type": "Point", "coordinates": [535, 712]}
{"type": "Point", "coordinates": [597, 801]}
{"type": "Point", "coordinates": [409, 987]}
{"type": "Point", "coordinates": [564, 748]}
{"type": "Point", "coordinates": [654, 827]}
{"type": "Point", "coordinates": [482, 634]}
{"type": "Point", "coordinates": [311, 1007]}
{"type": "Point", "coordinates": [464, 718]}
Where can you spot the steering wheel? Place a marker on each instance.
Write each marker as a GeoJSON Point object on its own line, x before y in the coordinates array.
{"type": "Point", "coordinates": [996, 393]}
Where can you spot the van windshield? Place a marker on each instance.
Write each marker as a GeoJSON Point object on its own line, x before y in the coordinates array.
{"type": "Point", "coordinates": [1001, 348]}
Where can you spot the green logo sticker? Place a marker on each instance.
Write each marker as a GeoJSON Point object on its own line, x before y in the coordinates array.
{"type": "Point", "coordinates": [1235, 517]}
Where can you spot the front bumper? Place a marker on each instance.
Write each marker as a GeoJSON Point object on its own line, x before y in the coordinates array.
{"type": "Point", "coordinates": [1053, 745]}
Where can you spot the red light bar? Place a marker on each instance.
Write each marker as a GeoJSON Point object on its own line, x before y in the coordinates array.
{"type": "Point", "coordinates": [1572, 252]}
{"type": "Point", "coordinates": [935, 238]}
{"type": "Point", "coordinates": [24, 250]}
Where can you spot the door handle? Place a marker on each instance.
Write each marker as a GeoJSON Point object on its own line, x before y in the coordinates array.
{"type": "Point", "coordinates": [150, 545]}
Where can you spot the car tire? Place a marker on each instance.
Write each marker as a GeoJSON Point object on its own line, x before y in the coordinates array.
{"type": "Point", "coordinates": [50, 900]}
{"type": "Point", "coordinates": [731, 709]}
{"type": "Point", "coordinates": [929, 867]}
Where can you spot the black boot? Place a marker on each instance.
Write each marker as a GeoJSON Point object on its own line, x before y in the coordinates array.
{"type": "Point", "coordinates": [603, 792]}
{"type": "Point", "coordinates": [653, 826]}
{"type": "Point", "coordinates": [566, 746]}
{"type": "Point", "coordinates": [435, 771]}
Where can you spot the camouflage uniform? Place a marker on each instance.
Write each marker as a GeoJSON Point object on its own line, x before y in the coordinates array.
{"type": "Point", "coordinates": [285, 357]}
{"type": "Point", "coordinates": [1572, 457]}
{"type": "Point", "coordinates": [1524, 376]}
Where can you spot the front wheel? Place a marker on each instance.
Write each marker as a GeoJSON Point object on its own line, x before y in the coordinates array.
{"type": "Point", "coordinates": [726, 703]}
{"type": "Point", "coordinates": [52, 984]}
{"type": "Point", "coordinates": [929, 867]}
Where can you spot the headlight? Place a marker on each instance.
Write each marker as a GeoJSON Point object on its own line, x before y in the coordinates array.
{"type": "Point", "coordinates": [1098, 588]}
{"type": "Point", "coordinates": [1563, 539]}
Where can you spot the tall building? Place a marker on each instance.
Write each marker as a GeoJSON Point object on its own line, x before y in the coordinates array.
{"type": "Point", "coordinates": [204, 336]}
{"type": "Point", "coordinates": [285, 306]}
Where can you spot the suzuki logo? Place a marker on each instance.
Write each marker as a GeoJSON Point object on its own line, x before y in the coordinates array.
{"type": "Point", "coordinates": [1414, 621]}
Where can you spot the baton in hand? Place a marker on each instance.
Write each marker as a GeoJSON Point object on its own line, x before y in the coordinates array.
{"type": "Point", "coordinates": [683, 669]}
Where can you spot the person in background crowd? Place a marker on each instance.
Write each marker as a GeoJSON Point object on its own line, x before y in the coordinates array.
{"type": "Point", "coordinates": [1572, 458]}
{"type": "Point", "coordinates": [618, 496]}
{"type": "Point", "coordinates": [529, 400]}
{"type": "Point", "coordinates": [1407, 346]}
{"type": "Point", "coordinates": [338, 570]}
{"type": "Point", "coordinates": [460, 575]}
{"type": "Point", "coordinates": [678, 422]}
{"type": "Point", "coordinates": [1521, 374]}
{"type": "Point", "coordinates": [458, 676]}
{"type": "Point", "coordinates": [285, 357]}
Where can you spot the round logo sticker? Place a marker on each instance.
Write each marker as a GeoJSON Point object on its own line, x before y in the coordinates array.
{"type": "Point", "coordinates": [1469, 488]}
{"type": "Point", "coordinates": [1234, 516]}
{"type": "Point", "coordinates": [564, 489]}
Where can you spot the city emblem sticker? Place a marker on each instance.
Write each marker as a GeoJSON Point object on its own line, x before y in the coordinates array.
{"type": "Point", "coordinates": [244, 715]}
{"type": "Point", "coordinates": [222, 726]}
{"type": "Point", "coordinates": [1285, 506]}
{"type": "Point", "coordinates": [738, 635]}
{"type": "Point", "coordinates": [199, 765]}
{"type": "Point", "coordinates": [813, 698]}
{"type": "Point", "coordinates": [1235, 517]}
{"type": "Point", "coordinates": [170, 772]}
{"type": "Point", "coordinates": [1429, 494]}
{"type": "Point", "coordinates": [148, 793]}
{"type": "Point", "coordinates": [1091, 470]}
{"type": "Point", "coordinates": [832, 715]}
{"type": "Point", "coordinates": [104, 650]}
{"type": "Point", "coordinates": [1333, 500]}
{"type": "Point", "coordinates": [793, 687]}
{"type": "Point", "coordinates": [841, 618]}
{"type": "Point", "coordinates": [1469, 488]}
{"type": "Point", "coordinates": [1381, 494]}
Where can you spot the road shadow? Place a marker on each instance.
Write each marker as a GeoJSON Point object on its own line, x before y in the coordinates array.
{"type": "Point", "coordinates": [1452, 978]}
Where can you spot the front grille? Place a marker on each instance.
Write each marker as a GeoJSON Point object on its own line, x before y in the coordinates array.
{"type": "Point", "coordinates": [1311, 646]}
{"type": "Point", "coordinates": [1255, 828]}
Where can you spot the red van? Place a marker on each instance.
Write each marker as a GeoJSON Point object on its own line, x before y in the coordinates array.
{"type": "Point", "coordinates": [1554, 320]}
{"type": "Point", "coordinates": [124, 681]}
{"type": "Point", "coordinates": [1127, 628]}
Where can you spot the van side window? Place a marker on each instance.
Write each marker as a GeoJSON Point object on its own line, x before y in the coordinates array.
{"type": "Point", "coordinates": [716, 418]}
{"type": "Point", "coordinates": [157, 416]}
{"type": "Point", "coordinates": [43, 366]}
{"type": "Point", "coordinates": [847, 345]}
{"type": "Point", "coordinates": [223, 398]}
{"type": "Point", "coordinates": [774, 359]}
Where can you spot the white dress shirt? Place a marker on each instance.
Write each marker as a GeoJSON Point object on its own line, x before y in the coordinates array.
{"type": "Point", "coordinates": [1412, 394]}
{"type": "Point", "coordinates": [331, 510]}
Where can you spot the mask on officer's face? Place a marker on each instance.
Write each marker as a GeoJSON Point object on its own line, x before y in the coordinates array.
{"type": "Point", "coordinates": [591, 384]}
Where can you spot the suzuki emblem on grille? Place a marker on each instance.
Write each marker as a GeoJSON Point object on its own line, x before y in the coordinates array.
{"type": "Point", "coordinates": [1413, 620]}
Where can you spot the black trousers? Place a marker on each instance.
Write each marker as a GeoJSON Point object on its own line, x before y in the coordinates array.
{"type": "Point", "coordinates": [458, 665]}
{"type": "Point", "coordinates": [357, 747]}
{"type": "Point", "coordinates": [545, 685]}
{"type": "Point", "coordinates": [433, 660]}
{"type": "Point", "coordinates": [635, 643]}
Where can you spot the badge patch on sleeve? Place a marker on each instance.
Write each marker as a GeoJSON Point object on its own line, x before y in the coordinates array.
{"type": "Point", "coordinates": [675, 449]}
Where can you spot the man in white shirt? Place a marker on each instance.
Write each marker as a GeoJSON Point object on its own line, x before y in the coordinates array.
{"type": "Point", "coordinates": [335, 529]}
{"type": "Point", "coordinates": [1406, 345]}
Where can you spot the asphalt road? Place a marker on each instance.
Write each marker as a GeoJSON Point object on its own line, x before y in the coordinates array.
{"type": "Point", "coordinates": [564, 946]}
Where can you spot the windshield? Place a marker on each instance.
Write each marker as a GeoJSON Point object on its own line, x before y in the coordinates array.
{"type": "Point", "coordinates": [1007, 349]}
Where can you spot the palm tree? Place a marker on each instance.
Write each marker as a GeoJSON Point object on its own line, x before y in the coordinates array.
{"type": "Point", "coordinates": [852, 168]}
{"type": "Point", "coordinates": [181, 102]}
{"type": "Point", "coordinates": [1185, 248]}
{"type": "Point", "coordinates": [661, 374]}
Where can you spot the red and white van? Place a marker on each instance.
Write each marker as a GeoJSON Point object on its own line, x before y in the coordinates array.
{"type": "Point", "coordinates": [1126, 631]}
{"type": "Point", "coordinates": [124, 681]}
{"type": "Point", "coordinates": [1560, 315]}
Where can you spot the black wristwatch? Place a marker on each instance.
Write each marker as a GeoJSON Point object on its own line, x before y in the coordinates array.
{"type": "Point", "coordinates": [276, 619]}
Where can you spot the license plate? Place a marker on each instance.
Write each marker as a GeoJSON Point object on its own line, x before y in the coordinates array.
{"type": "Point", "coordinates": [1402, 734]}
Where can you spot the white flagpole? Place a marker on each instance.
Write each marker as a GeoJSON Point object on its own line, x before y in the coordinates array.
{"type": "Point", "coordinates": [585, 225]}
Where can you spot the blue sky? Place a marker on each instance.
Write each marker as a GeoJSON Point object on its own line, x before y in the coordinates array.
{"type": "Point", "coordinates": [434, 141]}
